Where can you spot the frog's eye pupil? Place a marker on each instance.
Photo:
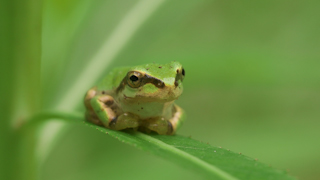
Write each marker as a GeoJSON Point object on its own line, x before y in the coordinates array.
{"type": "Point", "coordinates": [183, 72]}
{"type": "Point", "coordinates": [134, 78]}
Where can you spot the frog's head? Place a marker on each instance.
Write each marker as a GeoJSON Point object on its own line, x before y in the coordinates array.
{"type": "Point", "coordinates": [153, 82]}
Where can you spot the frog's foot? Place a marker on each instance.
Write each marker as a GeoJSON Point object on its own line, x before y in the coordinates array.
{"type": "Point", "coordinates": [124, 121]}
{"type": "Point", "coordinates": [159, 125]}
{"type": "Point", "coordinates": [163, 126]}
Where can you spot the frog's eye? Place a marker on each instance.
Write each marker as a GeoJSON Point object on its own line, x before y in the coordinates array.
{"type": "Point", "coordinates": [134, 79]}
{"type": "Point", "coordinates": [179, 76]}
{"type": "Point", "coordinates": [181, 73]}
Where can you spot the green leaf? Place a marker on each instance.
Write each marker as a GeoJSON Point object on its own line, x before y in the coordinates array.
{"type": "Point", "coordinates": [207, 160]}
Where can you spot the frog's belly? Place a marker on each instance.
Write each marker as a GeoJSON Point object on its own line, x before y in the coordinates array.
{"type": "Point", "coordinates": [146, 110]}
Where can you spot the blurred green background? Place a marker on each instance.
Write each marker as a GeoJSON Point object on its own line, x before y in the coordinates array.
{"type": "Point", "coordinates": [252, 81]}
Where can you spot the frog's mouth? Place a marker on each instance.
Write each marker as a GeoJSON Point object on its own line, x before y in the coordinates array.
{"type": "Point", "coordinates": [126, 97]}
{"type": "Point", "coordinates": [165, 94]}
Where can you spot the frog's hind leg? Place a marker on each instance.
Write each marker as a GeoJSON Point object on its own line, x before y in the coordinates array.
{"type": "Point", "coordinates": [103, 106]}
{"type": "Point", "coordinates": [99, 109]}
{"type": "Point", "coordinates": [106, 110]}
{"type": "Point", "coordinates": [176, 120]}
{"type": "Point", "coordinates": [90, 114]}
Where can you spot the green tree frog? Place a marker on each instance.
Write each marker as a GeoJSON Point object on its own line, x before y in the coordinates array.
{"type": "Point", "coordinates": [140, 97]}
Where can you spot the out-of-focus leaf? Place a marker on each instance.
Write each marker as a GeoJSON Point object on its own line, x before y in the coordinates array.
{"type": "Point", "coordinates": [62, 22]}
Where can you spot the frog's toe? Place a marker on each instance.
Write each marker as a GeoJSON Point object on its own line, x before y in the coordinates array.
{"type": "Point", "coordinates": [113, 122]}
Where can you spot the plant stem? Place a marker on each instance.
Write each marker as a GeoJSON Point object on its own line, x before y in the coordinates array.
{"type": "Point", "coordinates": [57, 115]}
{"type": "Point", "coordinates": [20, 64]}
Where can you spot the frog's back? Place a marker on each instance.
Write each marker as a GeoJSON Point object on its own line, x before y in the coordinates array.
{"type": "Point", "coordinates": [113, 79]}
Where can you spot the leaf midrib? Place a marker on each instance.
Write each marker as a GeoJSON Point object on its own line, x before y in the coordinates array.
{"type": "Point", "coordinates": [210, 168]}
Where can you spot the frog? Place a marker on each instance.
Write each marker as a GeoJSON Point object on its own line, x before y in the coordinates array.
{"type": "Point", "coordinates": [141, 98]}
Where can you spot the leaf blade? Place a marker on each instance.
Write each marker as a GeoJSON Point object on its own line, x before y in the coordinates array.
{"type": "Point", "coordinates": [208, 160]}
{"type": "Point", "coordinates": [198, 156]}
{"type": "Point", "coordinates": [206, 166]}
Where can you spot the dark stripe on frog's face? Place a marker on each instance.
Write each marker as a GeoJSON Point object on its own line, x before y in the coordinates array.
{"type": "Point", "coordinates": [141, 78]}
{"type": "Point", "coordinates": [157, 82]}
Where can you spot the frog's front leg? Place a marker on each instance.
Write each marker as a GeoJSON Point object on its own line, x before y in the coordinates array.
{"type": "Point", "coordinates": [105, 108]}
{"type": "Point", "coordinates": [163, 126]}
